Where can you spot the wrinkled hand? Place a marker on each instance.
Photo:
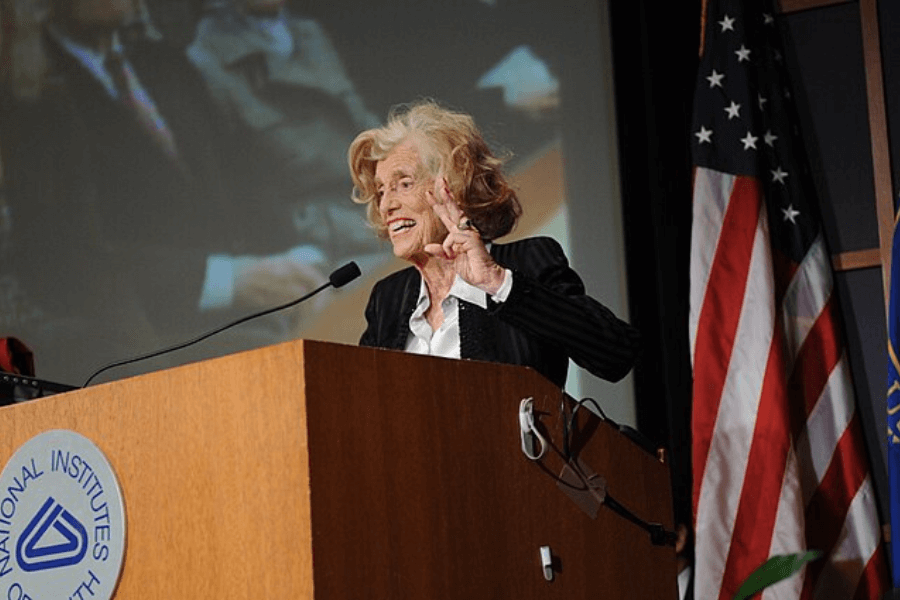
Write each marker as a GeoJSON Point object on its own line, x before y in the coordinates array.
{"type": "Point", "coordinates": [462, 246]}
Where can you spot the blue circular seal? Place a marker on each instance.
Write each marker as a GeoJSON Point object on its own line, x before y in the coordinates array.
{"type": "Point", "coordinates": [62, 521]}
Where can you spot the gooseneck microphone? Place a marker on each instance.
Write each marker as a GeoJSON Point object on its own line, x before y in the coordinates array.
{"type": "Point", "coordinates": [338, 278]}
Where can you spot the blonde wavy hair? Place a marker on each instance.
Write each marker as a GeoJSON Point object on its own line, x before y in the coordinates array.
{"type": "Point", "coordinates": [448, 144]}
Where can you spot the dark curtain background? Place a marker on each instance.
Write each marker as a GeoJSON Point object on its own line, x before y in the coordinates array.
{"type": "Point", "coordinates": [655, 52]}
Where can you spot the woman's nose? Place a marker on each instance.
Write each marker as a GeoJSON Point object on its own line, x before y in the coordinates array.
{"type": "Point", "coordinates": [388, 202]}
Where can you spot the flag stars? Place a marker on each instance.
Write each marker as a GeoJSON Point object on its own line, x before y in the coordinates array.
{"type": "Point", "coordinates": [715, 79]}
{"type": "Point", "coordinates": [761, 100]}
{"type": "Point", "coordinates": [743, 54]}
{"type": "Point", "coordinates": [749, 141]}
{"type": "Point", "coordinates": [790, 213]}
{"type": "Point", "coordinates": [733, 110]}
{"type": "Point", "coordinates": [768, 19]}
{"type": "Point", "coordinates": [727, 23]}
{"type": "Point", "coordinates": [778, 176]}
{"type": "Point", "coordinates": [704, 136]}
{"type": "Point", "coordinates": [769, 138]}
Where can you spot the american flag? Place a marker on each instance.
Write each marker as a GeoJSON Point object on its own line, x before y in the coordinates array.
{"type": "Point", "coordinates": [779, 463]}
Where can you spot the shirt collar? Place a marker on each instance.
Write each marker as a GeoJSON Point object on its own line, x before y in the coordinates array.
{"type": "Point", "coordinates": [422, 302]}
{"type": "Point", "coordinates": [460, 289]}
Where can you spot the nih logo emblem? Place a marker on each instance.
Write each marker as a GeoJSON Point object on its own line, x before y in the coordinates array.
{"type": "Point", "coordinates": [62, 521]}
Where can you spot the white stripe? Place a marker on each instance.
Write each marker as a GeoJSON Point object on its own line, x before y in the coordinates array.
{"type": "Point", "coordinates": [726, 464]}
{"type": "Point", "coordinates": [712, 193]}
{"type": "Point", "coordinates": [805, 298]}
{"type": "Point", "coordinates": [824, 427]}
{"type": "Point", "coordinates": [788, 536]}
{"type": "Point", "coordinates": [804, 301]}
{"type": "Point", "coordinates": [857, 542]}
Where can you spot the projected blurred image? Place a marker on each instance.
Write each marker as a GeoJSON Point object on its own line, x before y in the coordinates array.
{"type": "Point", "coordinates": [168, 165]}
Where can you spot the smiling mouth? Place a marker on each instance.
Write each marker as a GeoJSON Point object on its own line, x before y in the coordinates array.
{"type": "Point", "coordinates": [401, 225]}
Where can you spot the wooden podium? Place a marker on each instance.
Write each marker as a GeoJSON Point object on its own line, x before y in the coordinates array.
{"type": "Point", "coordinates": [316, 470]}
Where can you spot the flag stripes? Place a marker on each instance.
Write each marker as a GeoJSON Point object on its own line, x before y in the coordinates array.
{"type": "Point", "coordinates": [799, 410]}
{"type": "Point", "coordinates": [778, 455]}
{"type": "Point", "coordinates": [716, 329]}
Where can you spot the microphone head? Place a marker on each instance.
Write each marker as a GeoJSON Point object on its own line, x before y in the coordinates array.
{"type": "Point", "coordinates": [344, 275]}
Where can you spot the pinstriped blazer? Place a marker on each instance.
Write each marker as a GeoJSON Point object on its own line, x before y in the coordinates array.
{"type": "Point", "coordinates": [546, 320]}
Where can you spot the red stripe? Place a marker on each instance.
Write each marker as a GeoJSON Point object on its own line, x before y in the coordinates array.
{"type": "Point", "coordinates": [782, 412]}
{"type": "Point", "coordinates": [720, 314]}
{"type": "Point", "coordinates": [815, 361]}
{"type": "Point", "coordinates": [817, 358]}
{"type": "Point", "coordinates": [783, 269]}
{"type": "Point", "coordinates": [827, 509]}
{"type": "Point", "coordinates": [813, 570]}
{"type": "Point", "coordinates": [874, 580]}
{"type": "Point", "coordinates": [754, 523]}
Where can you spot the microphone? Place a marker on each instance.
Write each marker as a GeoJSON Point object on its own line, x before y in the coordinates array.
{"type": "Point", "coordinates": [339, 278]}
{"type": "Point", "coordinates": [342, 276]}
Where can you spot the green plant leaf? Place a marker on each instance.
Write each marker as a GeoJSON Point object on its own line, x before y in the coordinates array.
{"type": "Point", "coordinates": [774, 570]}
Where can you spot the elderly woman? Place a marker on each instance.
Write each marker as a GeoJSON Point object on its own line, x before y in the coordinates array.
{"type": "Point", "coordinates": [432, 186]}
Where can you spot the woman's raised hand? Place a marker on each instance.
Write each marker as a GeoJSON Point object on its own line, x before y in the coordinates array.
{"type": "Point", "coordinates": [463, 246]}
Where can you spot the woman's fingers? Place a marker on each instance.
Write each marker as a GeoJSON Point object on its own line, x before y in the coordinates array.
{"type": "Point", "coordinates": [445, 198]}
{"type": "Point", "coordinates": [436, 250]}
{"type": "Point", "coordinates": [441, 211]}
{"type": "Point", "coordinates": [460, 240]}
{"type": "Point", "coordinates": [453, 246]}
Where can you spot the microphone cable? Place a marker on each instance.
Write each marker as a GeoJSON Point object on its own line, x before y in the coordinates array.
{"type": "Point", "coordinates": [339, 278]}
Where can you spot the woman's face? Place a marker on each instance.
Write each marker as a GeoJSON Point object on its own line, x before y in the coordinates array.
{"type": "Point", "coordinates": [403, 205]}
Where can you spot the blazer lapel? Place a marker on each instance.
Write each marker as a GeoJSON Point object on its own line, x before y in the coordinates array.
{"type": "Point", "coordinates": [477, 333]}
{"type": "Point", "coordinates": [408, 294]}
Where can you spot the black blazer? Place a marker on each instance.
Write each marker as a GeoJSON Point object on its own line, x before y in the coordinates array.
{"type": "Point", "coordinates": [546, 320]}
